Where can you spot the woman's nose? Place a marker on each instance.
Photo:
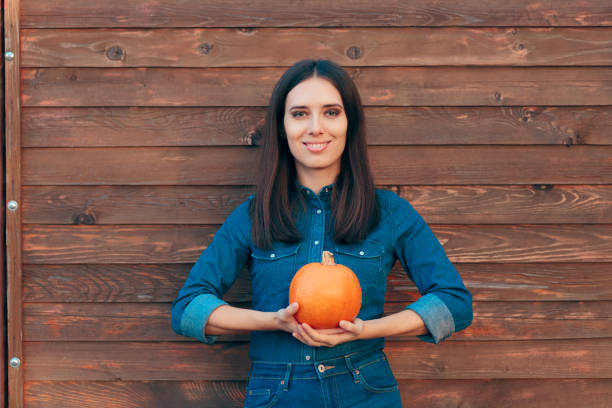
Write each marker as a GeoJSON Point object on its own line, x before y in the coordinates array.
{"type": "Point", "coordinates": [315, 126]}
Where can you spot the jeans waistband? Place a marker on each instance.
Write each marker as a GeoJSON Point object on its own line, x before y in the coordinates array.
{"type": "Point", "coordinates": [318, 369]}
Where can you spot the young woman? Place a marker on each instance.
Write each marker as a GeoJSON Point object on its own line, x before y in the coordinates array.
{"type": "Point", "coordinates": [315, 193]}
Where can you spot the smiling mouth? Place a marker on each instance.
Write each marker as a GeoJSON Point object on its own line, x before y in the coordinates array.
{"type": "Point", "coordinates": [316, 147]}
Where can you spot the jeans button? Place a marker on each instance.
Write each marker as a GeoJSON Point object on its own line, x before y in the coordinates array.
{"type": "Point", "coordinates": [321, 368]}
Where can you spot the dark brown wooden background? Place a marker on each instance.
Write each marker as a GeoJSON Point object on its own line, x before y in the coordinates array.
{"type": "Point", "coordinates": [131, 146]}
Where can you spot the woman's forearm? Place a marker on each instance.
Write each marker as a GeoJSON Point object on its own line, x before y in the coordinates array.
{"type": "Point", "coordinates": [229, 319]}
{"type": "Point", "coordinates": [406, 322]}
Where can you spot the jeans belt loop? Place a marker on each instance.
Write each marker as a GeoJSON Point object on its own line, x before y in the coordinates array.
{"type": "Point", "coordinates": [285, 381]}
{"type": "Point", "coordinates": [354, 372]}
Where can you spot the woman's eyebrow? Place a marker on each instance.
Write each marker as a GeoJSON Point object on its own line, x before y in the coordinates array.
{"type": "Point", "coordinates": [329, 105]}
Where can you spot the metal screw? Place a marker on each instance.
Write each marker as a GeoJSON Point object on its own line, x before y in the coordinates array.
{"type": "Point", "coordinates": [12, 205]}
{"type": "Point", "coordinates": [15, 362]}
{"type": "Point", "coordinates": [9, 55]}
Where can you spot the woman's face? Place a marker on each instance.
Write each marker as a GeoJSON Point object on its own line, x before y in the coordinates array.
{"type": "Point", "coordinates": [315, 125]}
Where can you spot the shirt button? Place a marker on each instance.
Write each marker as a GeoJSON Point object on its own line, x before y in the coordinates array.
{"type": "Point", "coordinates": [326, 190]}
{"type": "Point", "coordinates": [272, 255]}
{"type": "Point", "coordinates": [361, 253]}
{"type": "Point", "coordinates": [316, 242]}
{"type": "Point", "coordinates": [307, 357]}
{"type": "Point", "coordinates": [318, 211]}
{"type": "Point", "coordinates": [321, 368]}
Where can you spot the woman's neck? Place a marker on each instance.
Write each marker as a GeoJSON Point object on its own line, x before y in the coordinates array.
{"type": "Point", "coordinates": [316, 180]}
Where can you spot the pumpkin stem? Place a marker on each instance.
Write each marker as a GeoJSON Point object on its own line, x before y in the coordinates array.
{"type": "Point", "coordinates": [328, 258]}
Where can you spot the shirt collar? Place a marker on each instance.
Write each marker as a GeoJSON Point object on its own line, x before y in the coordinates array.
{"type": "Point", "coordinates": [324, 193]}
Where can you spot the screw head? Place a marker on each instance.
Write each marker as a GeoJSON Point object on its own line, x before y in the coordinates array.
{"type": "Point", "coordinates": [9, 55]}
{"type": "Point", "coordinates": [12, 205]}
{"type": "Point", "coordinates": [15, 362]}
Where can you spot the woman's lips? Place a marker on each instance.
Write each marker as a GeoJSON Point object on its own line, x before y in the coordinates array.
{"type": "Point", "coordinates": [316, 147]}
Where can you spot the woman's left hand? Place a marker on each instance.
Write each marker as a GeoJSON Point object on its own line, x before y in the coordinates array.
{"type": "Point", "coordinates": [347, 331]}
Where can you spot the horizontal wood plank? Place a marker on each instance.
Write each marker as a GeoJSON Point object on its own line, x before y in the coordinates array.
{"type": "Point", "coordinates": [506, 393]}
{"type": "Point", "coordinates": [537, 204]}
{"type": "Point", "coordinates": [226, 126]}
{"type": "Point", "coordinates": [277, 13]}
{"type": "Point", "coordinates": [182, 243]}
{"type": "Point", "coordinates": [106, 244]}
{"type": "Point", "coordinates": [114, 322]}
{"type": "Point", "coordinates": [388, 46]}
{"type": "Point", "coordinates": [161, 282]}
{"type": "Point", "coordinates": [382, 86]}
{"type": "Point", "coordinates": [407, 165]}
{"type": "Point", "coordinates": [70, 361]}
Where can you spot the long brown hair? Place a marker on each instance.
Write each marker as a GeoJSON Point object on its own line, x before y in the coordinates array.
{"type": "Point", "coordinates": [355, 209]}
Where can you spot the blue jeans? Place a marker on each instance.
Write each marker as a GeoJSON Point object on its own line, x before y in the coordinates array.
{"type": "Point", "coordinates": [362, 379]}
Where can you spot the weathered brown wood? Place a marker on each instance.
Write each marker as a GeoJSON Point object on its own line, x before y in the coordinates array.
{"type": "Point", "coordinates": [108, 126]}
{"type": "Point", "coordinates": [12, 151]}
{"type": "Point", "coordinates": [491, 165]}
{"type": "Point", "coordinates": [161, 282]}
{"type": "Point", "coordinates": [506, 393]}
{"type": "Point", "coordinates": [527, 282]}
{"type": "Point", "coordinates": [112, 322]}
{"type": "Point", "coordinates": [116, 244]}
{"type": "Point", "coordinates": [383, 86]}
{"type": "Point", "coordinates": [212, 204]}
{"type": "Point", "coordinates": [109, 283]}
{"type": "Point", "coordinates": [348, 46]}
{"type": "Point", "coordinates": [408, 165]}
{"type": "Point", "coordinates": [3, 291]}
{"type": "Point", "coordinates": [182, 243]}
{"type": "Point", "coordinates": [131, 205]}
{"type": "Point", "coordinates": [537, 204]}
{"type": "Point", "coordinates": [277, 13]}
{"type": "Point", "coordinates": [88, 361]}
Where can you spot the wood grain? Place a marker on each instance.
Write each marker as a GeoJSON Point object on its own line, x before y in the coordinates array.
{"type": "Point", "coordinates": [414, 165]}
{"type": "Point", "coordinates": [12, 187]}
{"type": "Point", "coordinates": [277, 13]}
{"type": "Point", "coordinates": [227, 126]}
{"type": "Point", "coordinates": [380, 86]}
{"type": "Point", "coordinates": [115, 244]}
{"type": "Point", "coordinates": [100, 205]}
{"type": "Point", "coordinates": [112, 322]}
{"type": "Point", "coordinates": [502, 393]}
{"type": "Point", "coordinates": [388, 46]}
{"type": "Point", "coordinates": [89, 361]}
{"type": "Point", "coordinates": [182, 243]}
{"type": "Point", "coordinates": [161, 282]}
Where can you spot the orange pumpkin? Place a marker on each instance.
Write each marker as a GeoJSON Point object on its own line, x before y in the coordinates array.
{"type": "Point", "coordinates": [326, 293]}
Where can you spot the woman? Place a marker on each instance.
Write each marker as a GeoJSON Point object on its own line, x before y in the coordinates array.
{"type": "Point", "coordinates": [315, 193]}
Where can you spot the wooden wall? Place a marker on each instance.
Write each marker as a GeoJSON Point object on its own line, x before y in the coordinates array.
{"type": "Point", "coordinates": [132, 145]}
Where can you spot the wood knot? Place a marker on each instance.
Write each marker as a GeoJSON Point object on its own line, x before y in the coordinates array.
{"type": "Point", "coordinates": [498, 96]}
{"type": "Point", "coordinates": [205, 48]}
{"type": "Point", "coordinates": [115, 53]}
{"type": "Point", "coordinates": [568, 141]}
{"type": "Point", "coordinates": [354, 52]}
{"type": "Point", "coordinates": [84, 219]}
{"type": "Point", "coordinates": [543, 187]}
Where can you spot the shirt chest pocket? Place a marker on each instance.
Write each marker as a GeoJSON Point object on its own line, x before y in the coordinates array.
{"type": "Point", "coordinates": [365, 259]}
{"type": "Point", "coordinates": [272, 270]}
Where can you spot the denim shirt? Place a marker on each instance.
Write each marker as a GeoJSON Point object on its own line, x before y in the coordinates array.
{"type": "Point", "coordinates": [445, 305]}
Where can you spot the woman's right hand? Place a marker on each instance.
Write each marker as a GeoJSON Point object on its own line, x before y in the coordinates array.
{"type": "Point", "coordinates": [285, 318]}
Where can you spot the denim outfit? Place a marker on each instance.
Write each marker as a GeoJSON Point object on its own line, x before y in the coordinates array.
{"type": "Point", "coordinates": [282, 364]}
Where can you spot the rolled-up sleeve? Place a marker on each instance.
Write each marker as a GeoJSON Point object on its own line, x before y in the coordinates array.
{"type": "Point", "coordinates": [445, 305]}
{"type": "Point", "coordinates": [211, 276]}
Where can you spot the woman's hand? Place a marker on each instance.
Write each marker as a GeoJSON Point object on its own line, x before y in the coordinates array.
{"type": "Point", "coordinates": [347, 331]}
{"type": "Point", "coordinates": [285, 319]}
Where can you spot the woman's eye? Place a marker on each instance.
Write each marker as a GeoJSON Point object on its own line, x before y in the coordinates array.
{"type": "Point", "coordinates": [298, 114]}
{"type": "Point", "coordinates": [333, 113]}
